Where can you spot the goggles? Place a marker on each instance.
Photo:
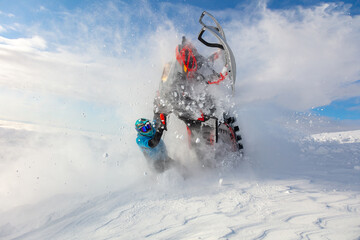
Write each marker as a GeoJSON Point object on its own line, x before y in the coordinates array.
{"type": "Point", "coordinates": [145, 128]}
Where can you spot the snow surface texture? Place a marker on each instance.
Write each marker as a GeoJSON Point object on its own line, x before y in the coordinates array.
{"type": "Point", "coordinates": [289, 186]}
{"type": "Point", "coordinates": [297, 181]}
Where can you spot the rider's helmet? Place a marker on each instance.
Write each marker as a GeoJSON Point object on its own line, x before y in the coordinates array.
{"type": "Point", "coordinates": [144, 127]}
{"type": "Point", "coordinates": [186, 57]}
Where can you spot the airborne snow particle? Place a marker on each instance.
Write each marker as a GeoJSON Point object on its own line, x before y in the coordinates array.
{"type": "Point", "coordinates": [220, 181]}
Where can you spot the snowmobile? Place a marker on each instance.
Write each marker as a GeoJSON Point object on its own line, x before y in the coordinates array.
{"type": "Point", "coordinates": [196, 90]}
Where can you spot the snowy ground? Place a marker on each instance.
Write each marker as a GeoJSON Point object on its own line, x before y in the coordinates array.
{"type": "Point", "coordinates": [310, 190]}
{"type": "Point", "coordinates": [341, 137]}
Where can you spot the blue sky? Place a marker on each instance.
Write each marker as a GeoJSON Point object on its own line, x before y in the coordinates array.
{"type": "Point", "coordinates": [341, 109]}
{"type": "Point", "coordinates": [55, 28]}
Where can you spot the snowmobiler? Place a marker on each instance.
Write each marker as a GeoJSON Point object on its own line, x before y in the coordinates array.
{"type": "Point", "coordinates": [150, 143]}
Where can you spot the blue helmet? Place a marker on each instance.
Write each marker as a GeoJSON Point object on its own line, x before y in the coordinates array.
{"type": "Point", "coordinates": [144, 127]}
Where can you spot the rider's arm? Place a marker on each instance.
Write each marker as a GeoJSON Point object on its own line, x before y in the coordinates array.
{"type": "Point", "coordinates": [156, 139]}
{"type": "Point", "coordinates": [160, 126]}
{"type": "Point", "coordinates": [146, 142]}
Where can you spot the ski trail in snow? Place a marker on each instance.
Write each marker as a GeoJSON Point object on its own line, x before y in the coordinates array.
{"type": "Point", "coordinates": [241, 209]}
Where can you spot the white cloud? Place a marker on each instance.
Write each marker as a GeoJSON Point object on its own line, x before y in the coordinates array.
{"type": "Point", "coordinates": [355, 108]}
{"type": "Point", "coordinates": [23, 44]}
{"type": "Point", "coordinates": [297, 58]}
{"type": "Point", "coordinates": [99, 67]}
{"type": "Point", "coordinates": [10, 15]}
{"type": "Point", "coordinates": [113, 54]}
{"type": "Point", "coordinates": [42, 8]}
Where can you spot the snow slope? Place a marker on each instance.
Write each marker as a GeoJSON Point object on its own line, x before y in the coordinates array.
{"type": "Point", "coordinates": [342, 137]}
{"type": "Point", "coordinates": [314, 194]}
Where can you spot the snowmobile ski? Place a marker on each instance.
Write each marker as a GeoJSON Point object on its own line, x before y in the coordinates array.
{"type": "Point", "coordinates": [218, 32]}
